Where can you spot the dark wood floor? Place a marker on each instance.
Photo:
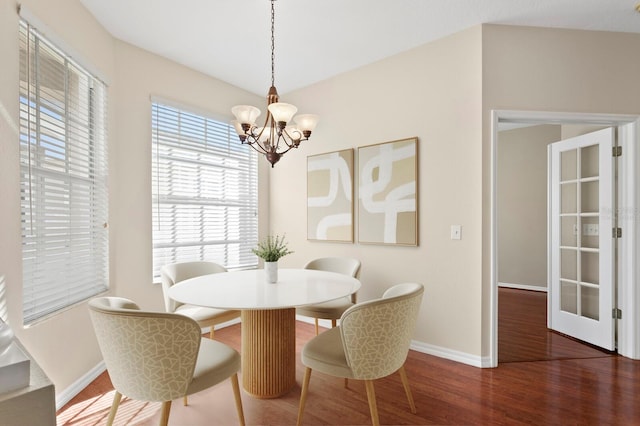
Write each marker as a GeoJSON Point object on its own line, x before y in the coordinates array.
{"type": "Point", "coordinates": [523, 333]}
{"type": "Point", "coordinates": [560, 387]}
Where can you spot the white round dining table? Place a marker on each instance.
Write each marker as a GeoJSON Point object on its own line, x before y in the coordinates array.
{"type": "Point", "coordinates": [267, 315]}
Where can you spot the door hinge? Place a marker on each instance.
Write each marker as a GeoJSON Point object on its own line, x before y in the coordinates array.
{"type": "Point", "coordinates": [617, 151]}
{"type": "Point", "coordinates": [617, 313]}
{"type": "Point", "coordinates": [617, 232]}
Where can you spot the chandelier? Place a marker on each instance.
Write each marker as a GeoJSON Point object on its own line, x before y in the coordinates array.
{"type": "Point", "coordinates": [277, 136]}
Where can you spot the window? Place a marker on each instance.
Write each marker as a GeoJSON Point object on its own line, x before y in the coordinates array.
{"type": "Point", "coordinates": [63, 175]}
{"type": "Point", "coordinates": [205, 193]}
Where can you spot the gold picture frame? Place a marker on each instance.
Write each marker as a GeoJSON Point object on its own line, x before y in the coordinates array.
{"type": "Point", "coordinates": [330, 196]}
{"type": "Point", "coordinates": [388, 193]}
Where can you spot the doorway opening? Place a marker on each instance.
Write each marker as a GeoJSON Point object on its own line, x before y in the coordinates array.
{"type": "Point", "coordinates": [525, 229]}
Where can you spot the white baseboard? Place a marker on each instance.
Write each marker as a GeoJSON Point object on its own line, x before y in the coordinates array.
{"type": "Point", "coordinates": [450, 354]}
{"type": "Point", "coordinates": [322, 322]}
{"type": "Point", "coordinates": [523, 287]}
{"type": "Point", "coordinates": [223, 325]}
{"type": "Point", "coordinates": [76, 387]}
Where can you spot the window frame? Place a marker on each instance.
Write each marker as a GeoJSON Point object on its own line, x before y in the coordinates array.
{"type": "Point", "coordinates": [197, 148]}
{"type": "Point", "coordinates": [63, 178]}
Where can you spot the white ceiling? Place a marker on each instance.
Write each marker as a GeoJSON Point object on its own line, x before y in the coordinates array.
{"type": "Point", "coordinates": [318, 39]}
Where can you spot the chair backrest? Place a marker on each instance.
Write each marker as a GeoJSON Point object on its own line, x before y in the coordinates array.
{"type": "Point", "coordinates": [150, 356]}
{"type": "Point", "coordinates": [173, 273]}
{"type": "Point", "coordinates": [341, 265]}
{"type": "Point", "coordinates": [377, 334]}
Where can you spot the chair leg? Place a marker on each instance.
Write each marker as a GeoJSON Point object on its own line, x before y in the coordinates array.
{"type": "Point", "coordinates": [334, 323]}
{"type": "Point", "coordinates": [114, 407]}
{"type": "Point", "coordinates": [316, 320]}
{"type": "Point", "coordinates": [407, 389]}
{"type": "Point", "coordinates": [164, 417]}
{"type": "Point", "coordinates": [236, 394]}
{"type": "Point", "coordinates": [185, 402]}
{"type": "Point", "coordinates": [373, 408]}
{"type": "Point", "coordinates": [211, 332]}
{"type": "Point", "coordinates": [303, 395]}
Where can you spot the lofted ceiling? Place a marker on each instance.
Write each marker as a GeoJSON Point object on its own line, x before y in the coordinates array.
{"type": "Point", "coordinates": [318, 39]}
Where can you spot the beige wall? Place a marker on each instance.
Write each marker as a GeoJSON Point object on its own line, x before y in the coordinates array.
{"type": "Point", "coordinates": [64, 345]}
{"type": "Point", "coordinates": [522, 204]}
{"type": "Point", "coordinates": [432, 92]}
{"type": "Point", "coordinates": [538, 69]}
{"type": "Point", "coordinates": [573, 130]}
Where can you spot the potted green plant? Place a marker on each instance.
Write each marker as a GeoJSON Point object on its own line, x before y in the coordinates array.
{"type": "Point", "coordinates": [271, 249]}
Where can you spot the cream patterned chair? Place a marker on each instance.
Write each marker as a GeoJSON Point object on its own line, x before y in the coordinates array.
{"type": "Point", "coordinates": [158, 356]}
{"type": "Point", "coordinates": [371, 342]}
{"type": "Point", "coordinates": [206, 317]}
{"type": "Point", "coordinates": [333, 309]}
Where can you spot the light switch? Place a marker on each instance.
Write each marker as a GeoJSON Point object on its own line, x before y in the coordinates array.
{"type": "Point", "coordinates": [456, 232]}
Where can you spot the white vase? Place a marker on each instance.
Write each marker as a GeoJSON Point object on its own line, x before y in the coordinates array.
{"type": "Point", "coordinates": [271, 271]}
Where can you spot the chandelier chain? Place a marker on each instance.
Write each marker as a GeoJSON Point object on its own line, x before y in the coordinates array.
{"type": "Point", "coordinates": [273, 57]}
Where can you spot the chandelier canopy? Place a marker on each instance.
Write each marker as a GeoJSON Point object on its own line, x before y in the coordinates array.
{"type": "Point", "coordinates": [277, 135]}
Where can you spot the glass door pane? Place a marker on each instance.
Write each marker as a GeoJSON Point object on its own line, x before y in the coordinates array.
{"type": "Point", "coordinates": [590, 267]}
{"type": "Point", "coordinates": [589, 156]}
{"type": "Point", "coordinates": [568, 165]}
{"type": "Point", "coordinates": [590, 237]}
{"type": "Point", "coordinates": [569, 198]}
{"type": "Point", "coordinates": [590, 201]}
{"type": "Point", "coordinates": [569, 297]}
{"type": "Point", "coordinates": [569, 231]}
{"type": "Point", "coordinates": [590, 302]}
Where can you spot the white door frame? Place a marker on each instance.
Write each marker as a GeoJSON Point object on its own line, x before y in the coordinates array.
{"type": "Point", "coordinates": [629, 216]}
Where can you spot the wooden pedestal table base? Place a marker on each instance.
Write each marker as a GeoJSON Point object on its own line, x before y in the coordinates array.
{"type": "Point", "coordinates": [268, 316]}
{"type": "Point", "coordinates": [268, 352]}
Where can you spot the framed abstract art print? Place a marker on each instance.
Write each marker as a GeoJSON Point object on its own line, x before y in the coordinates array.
{"type": "Point", "coordinates": [387, 193]}
{"type": "Point", "coordinates": [330, 196]}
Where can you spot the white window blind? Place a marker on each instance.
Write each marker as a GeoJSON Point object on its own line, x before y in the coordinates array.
{"type": "Point", "coordinates": [63, 174]}
{"type": "Point", "coordinates": [205, 191]}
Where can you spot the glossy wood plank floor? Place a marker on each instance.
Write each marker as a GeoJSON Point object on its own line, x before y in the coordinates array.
{"type": "Point", "coordinates": [523, 333]}
{"type": "Point", "coordinates": [596, 390]}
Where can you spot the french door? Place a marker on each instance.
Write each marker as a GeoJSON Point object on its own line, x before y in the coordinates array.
{"type": "Point", "coordinates": [581, 238]}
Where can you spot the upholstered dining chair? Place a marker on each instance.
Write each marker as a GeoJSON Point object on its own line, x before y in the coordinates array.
{"type": "Point", "coordinates": [206, 317]}
{"type": "Point", "coordinates": [371, 342]}
{"type": "Point", "coordinates": [333, 309]}
{"type": "Point", "coordinates": [158, 356]}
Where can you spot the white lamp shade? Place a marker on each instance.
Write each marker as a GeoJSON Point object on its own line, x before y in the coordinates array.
{"type": "Point", "coordinates": [282, 111]}
{"type": "Point", "coordinates": [306, 122]}
{"type": "Point", "coordinates": [245, 114]}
